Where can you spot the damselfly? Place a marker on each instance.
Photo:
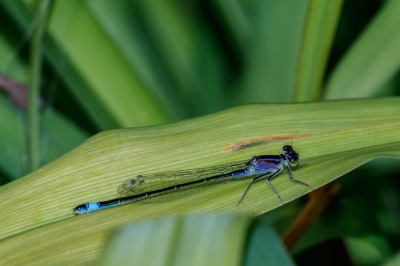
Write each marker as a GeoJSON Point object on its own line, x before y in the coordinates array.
{"type": "Point", "coordinates": [164, 185]}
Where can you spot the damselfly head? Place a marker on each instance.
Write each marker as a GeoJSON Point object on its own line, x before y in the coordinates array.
{"type": "Point", "coordinates": [293, 158]}
{"type": "Point", "coordinates": [287, 149]}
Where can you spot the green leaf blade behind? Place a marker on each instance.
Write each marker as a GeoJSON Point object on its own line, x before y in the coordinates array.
{"type": "Point", "coordinates": [194, 240]}
{"type": "Point", "coordinates": [101, 63]}
{"type": "Point", "coordinates": [316, 41]}
{"type": "Point", "coordinates": [372, 60]}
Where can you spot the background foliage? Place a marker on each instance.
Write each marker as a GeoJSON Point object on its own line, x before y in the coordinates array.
{"type": "Point", "coordinates": [129, 63]}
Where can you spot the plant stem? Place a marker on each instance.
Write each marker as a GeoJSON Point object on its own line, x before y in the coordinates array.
{"type": "Point", "coordinates": [318, 200]}
{"type": "Point", "coordinates": [32, 116]}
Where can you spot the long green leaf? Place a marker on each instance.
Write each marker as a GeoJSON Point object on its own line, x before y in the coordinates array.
{"type": "Point", "coordinates": [99, 60]}
{"type": "Point", "coordinates": [77, 84]}
{"type": "Point", "coordinates": [99, 77]}
{"type": "Point", "coordinates": [124, 28]}
{"type": "Point", "coordinates": [368, 250]}
{"type": "Point", "coordinates": [264, 248]}
{"type": "Point", "coordinates": [235, 23]}
{"type": "Point", "coordinates": [220, 240]}
{"type": "Point", "coordinates": [175, 37]}
{"type": "Point", "coordinates": [318, 33]}
{"type": "Point", "coordinates": [58, 134]}
{"type": "Point", "coordinates": [332, 138]}
{"type": "Point", "coordinates": [272, 53]}
{"type": "Point", "coordinates": [372, 60]}
{"type": "Point", "coordinates": [395, 260]}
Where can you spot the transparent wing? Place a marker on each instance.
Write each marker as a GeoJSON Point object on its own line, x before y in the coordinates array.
{"type": "Point", "coordinates": [182, 192]}
{"type": "Point", "coordinates": [150, 182]}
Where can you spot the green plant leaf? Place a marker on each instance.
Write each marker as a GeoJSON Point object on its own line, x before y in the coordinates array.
{"type": "Point", "coordinates": [332, 138]}
{"type": "Point", "coordinates": [272, 53]}
{"type": "Point", "coordinates": [99, 60]}
{"type": "Point", "coordinates": [318, 33]}
{"type": "Point", "coordinates": [264, 248]}
{"type": "Point", "coordinates": [100, 77]}
{"type": "Point", "coordinates": [122, 24]}
{"type": "Point", "coordinates": [235, 22]}
{"type": "Point", "coordinates": [395, 260]}
{"type": "Point", "coordinates": [12, 140]}
{"type": "Point", "coordinates": [372, 60]}
{"type": "Point", "coordinates": [219, 241]}
{"type": "Point", "coordinates": [23, 17]}
{"type": "Point", "coordinates": [58, 136]}
{"type": "Point", "coordinates": [368, 250]}
{"type": "Point", "coordinates": [176, 39]}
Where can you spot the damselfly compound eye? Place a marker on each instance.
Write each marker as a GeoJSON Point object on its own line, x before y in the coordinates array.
{"type": "Point", "coordinates": [293, 158]}
{"type": "Point", "coordinates": [287, 149]}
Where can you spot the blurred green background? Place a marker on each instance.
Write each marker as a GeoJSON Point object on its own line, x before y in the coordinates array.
{"type": "Point", "coordinates": [129, 63]}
